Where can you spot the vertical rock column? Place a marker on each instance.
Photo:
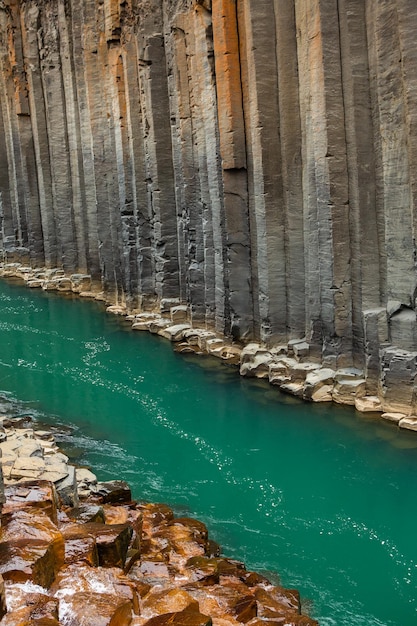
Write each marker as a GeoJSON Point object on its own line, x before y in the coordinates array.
{"type": "Point", "coordinates": [365, 232]}
{"type": "Point", "coordinates": [184, 104]}
{"type": "Point", "coordinates": [158, 149]}
{"type": "Point", "coordinates": [326, 224]}
{"type": "Point", "coordinates": [266, 204]}
{"type": "Point", "coordinates": [233, 155]}
{"type": "Point", "coordinates": [210, 171]}
{"type": "Point", "coordinates": [22, 236]}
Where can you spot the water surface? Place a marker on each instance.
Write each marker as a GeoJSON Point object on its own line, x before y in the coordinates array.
{"type": "Point", "coordinates": [320, 494]}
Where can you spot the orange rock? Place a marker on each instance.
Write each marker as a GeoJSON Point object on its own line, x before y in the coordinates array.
{"type": "Point", "coordinates": [112, 541]}
{"type": "Point", "coordinates": [154, 515]}
{"type": "Point", "coordinates": [35, 609]}
{"type": "Point", "coordinates": [182, 618]}
{"type": "Point", "coordinates": [273, 596]}
{"type": "Point", "coordinates": [159, 601]}
{"type": "Point", "coordinates": [23, 560]}
{"type": "Point", "coordinates": [76, 579]}
{"type": "Point", "coordinates": [97, 609]}
{"type": "Point", "coordinates": [31, 548]}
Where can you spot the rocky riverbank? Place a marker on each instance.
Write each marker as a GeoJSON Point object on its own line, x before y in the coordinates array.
{"type": "Point", "coordinates": [78, 552]}
{"type": "Point", "coordinates": [292, 367]}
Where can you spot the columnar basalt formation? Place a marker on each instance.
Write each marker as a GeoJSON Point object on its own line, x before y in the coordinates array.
{"type": "Point", "coordinates": [254, 160]}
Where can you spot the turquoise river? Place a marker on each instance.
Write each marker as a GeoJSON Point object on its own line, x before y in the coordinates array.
{"type": "Point", "coordinates": [323, 496]}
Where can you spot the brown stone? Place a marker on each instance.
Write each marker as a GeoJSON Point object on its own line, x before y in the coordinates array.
{"type": "Point", "coordinates": [116, 491]}
{"type": "Point", "coordinates": [182, 618]}
{"type": "Point", "coordinates": [97, 609]}
{"type": "Point", "coordinates": [277, 599]}
{"type": "Point", "coordinates": [23, 560]}
{"type": "Point", "coordinates": [112, 541]}
{"type": "Point", "coordinates": [168, 601]}
{"type": "Point", "coordinates": [35, 609]}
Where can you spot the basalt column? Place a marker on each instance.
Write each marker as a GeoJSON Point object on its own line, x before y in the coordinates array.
{"type": "Point", "coordinates": [252, 160]}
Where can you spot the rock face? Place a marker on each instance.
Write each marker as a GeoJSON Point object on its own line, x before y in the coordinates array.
{"type": "Point", "coordinates": [252, 160]}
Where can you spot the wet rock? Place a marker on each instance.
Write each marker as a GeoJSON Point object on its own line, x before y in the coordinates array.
{"type": "Point", "coordinates": [163, 601]}
{"type": "Point", "coordinates": [103, 610]}
{"type": "Point", "coordinates": [116, 491]}
{"type": "Point", "coordinates": [150, 572]}
{"type": "Point", "coordinates": [154, 515]}
{"type": "Point", "coordinates": [77, 579]}
{"type": "Point", "coordinates": [31, 547]}
{"type": "Point", "coordinates": [182, 618]}
{"type": "Point", "coordinates": [287, 619]}
{"type": "Point", "coordinates": [33, 496]}
{"type": "Point", "coordinates": [22, 560]}
{"type": "Point", "coordinates": [80, 549]}
{"type": "Point", "coordinates": [34, 609]}
{"type": "Point", "coordinates": [225, 601]}
{"type": "Point", "coordinates": [276, 601]}
{"type": "Point", "coordinates": [87, 513]}
{"type": "Point", "coordinates": [67, 487]}
{"type": "Point", "coordinates": [112, 542]}
{"type": "Point", "coordinates": [17, 422]}
{"type": "Point", "coordinates": [203, 569]}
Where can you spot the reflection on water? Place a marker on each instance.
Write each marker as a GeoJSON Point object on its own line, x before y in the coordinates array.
{"type": "Point", "coordinates": [318, 493]}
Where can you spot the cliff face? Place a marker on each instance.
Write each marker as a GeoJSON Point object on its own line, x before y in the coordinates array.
{"type": "Point", "coordinates": [255, 159]}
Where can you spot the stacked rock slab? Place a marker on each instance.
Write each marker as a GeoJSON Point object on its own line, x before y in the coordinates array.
{"type": "Point", "coordinates": [253, 160]}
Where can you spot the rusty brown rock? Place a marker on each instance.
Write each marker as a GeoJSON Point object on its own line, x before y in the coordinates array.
{"type": "Point", "coordinates": [111, 541]}
{"type": "Point", "coordinates": [97, 609]}
{"type": "Point", "coordinates": [33, 609]}
{"type": "Point", "coordinates": [182, 618]}
{"type": "Point", "coordinates": [23, 560]}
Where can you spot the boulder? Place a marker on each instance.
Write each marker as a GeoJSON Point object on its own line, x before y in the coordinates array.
{"type": "Point", "coordinates": [393, 417]}
{"type": "Point", "coordinates": [368, 404]}
{"type": "Point", "coordinates": [174, 333]}
{"type": "Point", "coordinates": [112, 542]}
{"type": "Point", "coordinates": [112, 492]}
{"type": "Point", "coordinates": [28, 560]}
{"type": "Point", "coordinates": [93, 609]}
{"type": "Point", "coordinates": [75, 580]}
{"type": "Point", "coordinates": [409, 422]}
{"type": "Point", "coordinates": [346, 390]}
{"type": "Point", "coordinates": [255, 361]}
{"type": "Point", "coordinates": [160, 601]}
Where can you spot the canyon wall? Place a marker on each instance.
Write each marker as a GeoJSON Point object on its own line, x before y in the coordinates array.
{"type": "Point", "coordinates": [254, 159]}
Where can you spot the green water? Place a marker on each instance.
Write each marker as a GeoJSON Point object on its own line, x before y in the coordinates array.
{"type": "Point", "coordinates": [317, 493]}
